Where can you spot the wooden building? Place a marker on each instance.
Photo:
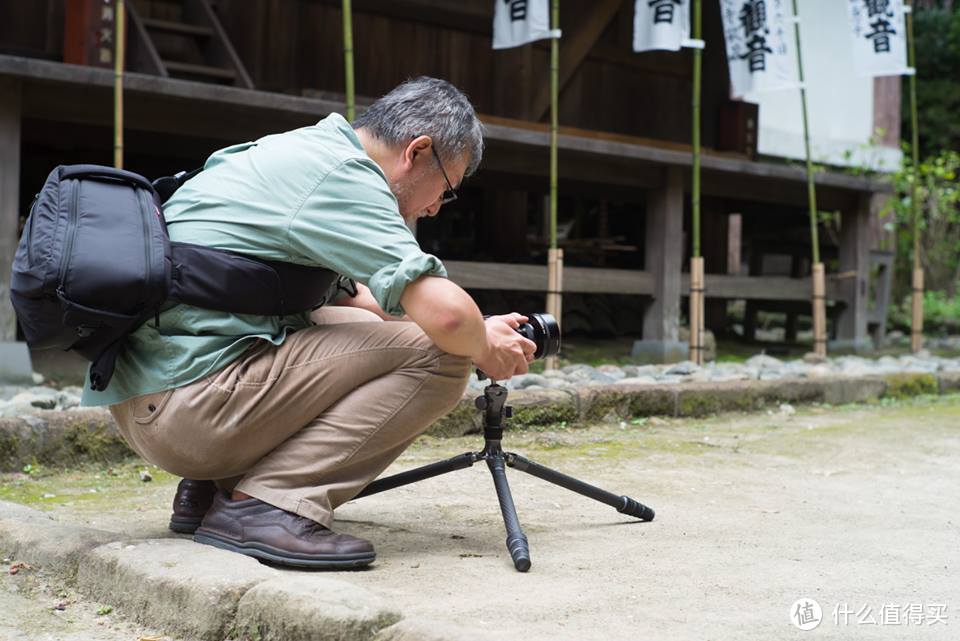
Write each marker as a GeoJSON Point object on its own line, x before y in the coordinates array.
{"type": "Point", "coordinates": [203, 74]}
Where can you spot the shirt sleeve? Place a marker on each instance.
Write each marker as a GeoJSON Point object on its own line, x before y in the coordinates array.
{"type": "Point", "coordinates": [350, 223]}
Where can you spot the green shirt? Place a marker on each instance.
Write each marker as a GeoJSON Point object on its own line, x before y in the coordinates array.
{"type": "Point", "coordinates": [311, 196]}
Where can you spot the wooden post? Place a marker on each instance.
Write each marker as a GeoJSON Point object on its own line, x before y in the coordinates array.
{"type": "Point", "coordinates": [663, 253]}
{"type": "Point", "coordinates": [10, 115]}
{"type": "Point", "coordinates": [348, 60]}
{"type": "Point", "coordinates": [696, 310]}
{"type": "Point", "coordinates": [916, 330]}
{"type": "Point", "coordinates": [819, 311]}
{"type": "Point", "coordinates": [118, 65]}
{"type": "Point", "coordinates": [855, 260]}
{"type": "Point", "coordinates": [554, 294]}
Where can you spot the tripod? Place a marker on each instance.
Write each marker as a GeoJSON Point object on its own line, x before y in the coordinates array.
{"type": "Point", "coordinates": [494, 408]}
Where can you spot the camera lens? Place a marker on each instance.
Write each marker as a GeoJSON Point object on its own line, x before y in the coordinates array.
{"type": "Point", "coordinates": [544, 331]}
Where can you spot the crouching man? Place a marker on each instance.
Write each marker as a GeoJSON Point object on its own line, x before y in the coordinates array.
{"type": "Point", "coordinates": [279, 420]}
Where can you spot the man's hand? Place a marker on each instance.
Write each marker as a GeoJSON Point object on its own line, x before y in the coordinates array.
{"type": "Point", "coordinates": [507, 353]}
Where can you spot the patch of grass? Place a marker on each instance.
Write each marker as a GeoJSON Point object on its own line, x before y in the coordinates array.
{"type": "Point", "coordinates": [87, 486]}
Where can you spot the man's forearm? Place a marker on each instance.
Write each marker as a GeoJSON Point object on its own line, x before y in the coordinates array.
{"type": "Point", "coordinates": [447, 315]}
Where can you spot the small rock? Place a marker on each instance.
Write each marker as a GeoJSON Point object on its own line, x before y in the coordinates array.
{"type": "Point", "coordinates": [523, 381]}
{"type": "Point", "coordinates": [787, 409]}
{"type": "Point", "coordinates": [684, 368]}
{"type": "Point", "coordinates": [612, 370]}
{"type": "Point", "coordinates": [813, 358]}
{"type": "Point", "coordinates": [145, 476]}
{"type": "Point", "coordinates": [37, 378]}
{"type": "Point", "coordinates": [762, 361]}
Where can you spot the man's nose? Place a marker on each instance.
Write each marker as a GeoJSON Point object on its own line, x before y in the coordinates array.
{"type": "Point", "coordinates": [434, 209]}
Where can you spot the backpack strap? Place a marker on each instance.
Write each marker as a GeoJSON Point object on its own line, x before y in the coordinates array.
{"type": "Point", "coordinates": [166, 185]}
{"type": "Point", "coordinates": [230, 282]}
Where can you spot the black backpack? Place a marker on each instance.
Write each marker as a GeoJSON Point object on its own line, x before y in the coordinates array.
{"type": "Point", "coordinates": [95, 262]}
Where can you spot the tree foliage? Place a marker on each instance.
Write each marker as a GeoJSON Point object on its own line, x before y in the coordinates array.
{"type": "Point", "coordinates": [937, 38]}
{"type": "Point", "coordinates": [938, 195]}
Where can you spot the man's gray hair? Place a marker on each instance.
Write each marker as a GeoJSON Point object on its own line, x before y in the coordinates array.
{"type": "Point", "coordinates": [432, 107]}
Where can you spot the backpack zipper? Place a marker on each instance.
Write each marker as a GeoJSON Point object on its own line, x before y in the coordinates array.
{"type": "Point", "coordinates": [71, 234]}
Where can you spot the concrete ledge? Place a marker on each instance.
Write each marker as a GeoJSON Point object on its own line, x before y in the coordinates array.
{"type": "Point", "coordinates": [66, 438]}
{"type": "Point", "coordinates": [286, 609]}
{"type": "Point", "coordinates": [199, 592]}
{"type": "Point", "coordinates": [173, 584]}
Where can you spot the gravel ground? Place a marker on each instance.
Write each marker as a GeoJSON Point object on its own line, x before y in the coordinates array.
{"type": "Point", "coordinates": [854, 507]}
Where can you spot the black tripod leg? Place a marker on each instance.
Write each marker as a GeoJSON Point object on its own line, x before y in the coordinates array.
{"type": "Point", "coordinates": [460, 462]}
{"type": "Point", "coordinates": [516, 539]}
{"type": "Point", "coordinates": [624, 504]}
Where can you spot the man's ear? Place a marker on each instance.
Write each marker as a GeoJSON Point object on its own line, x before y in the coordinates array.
{"type": "Point", "coordinates": [419, 145]}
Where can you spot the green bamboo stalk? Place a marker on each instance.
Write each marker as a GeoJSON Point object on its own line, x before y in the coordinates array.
{"type": "Point", "coordinates": [811, 189]}
{"type": "Point", "coordinates": [119, 37]}
{"type": "Point", "coordinates": [554, 99]}
{"type": "Point", "coordinates": [915, 142]}
{"type": "Point", "coordinates": [695, 180]}
{"type": "Point", "coordinates": [348, 59]}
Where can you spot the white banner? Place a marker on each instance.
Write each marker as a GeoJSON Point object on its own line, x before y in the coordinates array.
{"type": "Point", "coordinates": [517, 22]}
{"type": "Point", "coordinates": [879, 36]}
{"type": "Point", "coordinates": [661, 24]}
{"type": "Point", "coordinates": [760, 45]}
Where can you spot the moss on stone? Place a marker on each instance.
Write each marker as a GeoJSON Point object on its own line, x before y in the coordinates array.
{"type": "Point", "coordinates": [543, 415]}
{"type": "Point", "coordinates": [9, 451]}
{"type": "Point", "coordinates": [704, 401]}
{"type": "Point", "coordinates": [907, 384]}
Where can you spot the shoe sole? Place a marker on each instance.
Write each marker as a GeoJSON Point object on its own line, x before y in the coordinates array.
{"type": "Point", "coordinates": [279, 557]}
{"type": "Point", "coordinates": [184, 524]}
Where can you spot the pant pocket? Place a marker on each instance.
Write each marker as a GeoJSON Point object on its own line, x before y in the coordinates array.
{"type": "Point", "coordinates": [147, 408]}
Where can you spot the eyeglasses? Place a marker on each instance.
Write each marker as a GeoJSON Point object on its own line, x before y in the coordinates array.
{"type": "Point", "coordinates": [449, 194]}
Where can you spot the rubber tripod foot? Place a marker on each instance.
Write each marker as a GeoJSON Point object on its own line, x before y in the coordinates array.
{"type": "Point", "coordinates": [519, 552]}
{"type": "Point", "coordinates": [635, 508]}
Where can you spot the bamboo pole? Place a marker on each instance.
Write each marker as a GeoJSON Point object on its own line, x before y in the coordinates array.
{"type": "Point", "coordinates": [348, 60]}
{"type": "Point", "coordinates": [554, 255]}
{"type": "Point", "coordinates": [696, 261]}
{"type": "Point", "coordinates": [819, 302]}
{"type": "Point", "coordinates": [916, 328]}
{"type": "Point", "coordinates": [120, 48]}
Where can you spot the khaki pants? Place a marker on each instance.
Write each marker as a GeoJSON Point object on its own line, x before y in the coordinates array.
{"type": "Point", "coordinates": [305, 425]}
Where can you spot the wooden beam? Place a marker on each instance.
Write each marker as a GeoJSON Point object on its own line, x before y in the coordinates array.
{"type": "Point", "coordinates": [574, 51]}
{"type": "Point", "coordinates": [513, 277]}
{"type": "Point", "coordinates": [10, 114]}
{"type": "Point", "coordinates": [778, 288]}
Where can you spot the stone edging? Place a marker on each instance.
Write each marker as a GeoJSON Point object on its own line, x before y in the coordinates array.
{"type": "Point", "coordinates": [69, 437]}
{"type": "Point", "coordinates": [200, 592]}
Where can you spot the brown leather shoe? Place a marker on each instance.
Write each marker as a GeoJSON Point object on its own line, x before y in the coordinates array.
{"type": "Point", "coordinates": [258, 529]}
{"type": "Point", "coordinates": [190, 503]}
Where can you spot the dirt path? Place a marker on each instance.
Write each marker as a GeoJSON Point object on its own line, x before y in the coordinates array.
{"type": "Point", "coordinates": [855, 507]}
